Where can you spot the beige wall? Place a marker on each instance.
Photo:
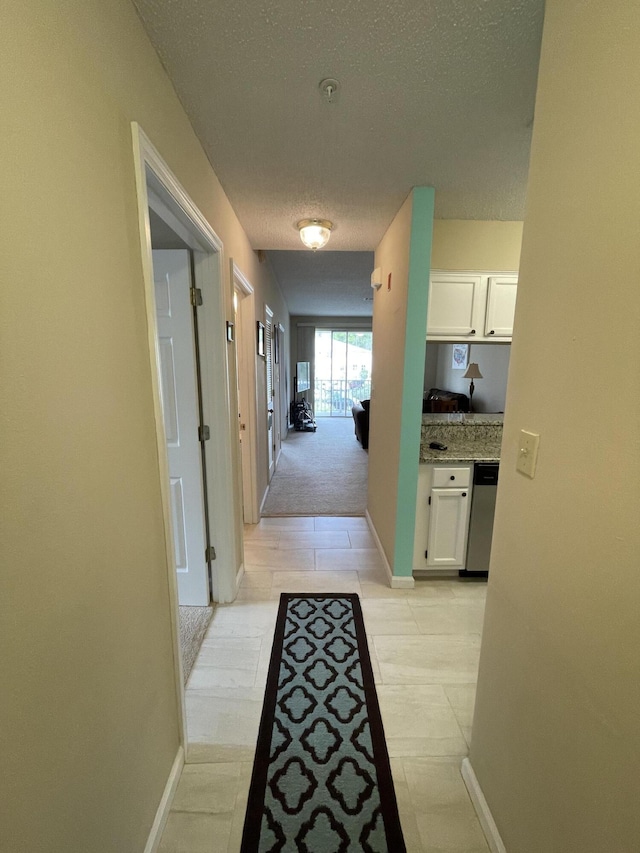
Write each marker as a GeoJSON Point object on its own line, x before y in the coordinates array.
{"type": "Point", "coordinates": [465, 244]}
{"type": "Point", "coordinates": [556, 739]}
{"type": "Point", "coordinates": [389, 321]}
{"type": "Point", "coordinates": [89, 717]}
{"type": "Point", "coordinates": [457, 245]}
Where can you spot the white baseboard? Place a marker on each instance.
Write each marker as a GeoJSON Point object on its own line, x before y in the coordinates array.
{"type": "Point", "coordinates": [160, 821]}
{"type": "Point", "coordinates": [482, 808]}
{"type": "Point", "coordinates": [402, 582]}
{"type": "Point", "coordinates": [394, 582]}
{"type": "Point", "coordinates": [435, 573]}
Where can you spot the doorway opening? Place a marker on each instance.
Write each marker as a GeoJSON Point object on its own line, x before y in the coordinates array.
{"type": "Point", "coordinates": [191, 266]}
{"type": "Point", "coordinates": [342, 371]}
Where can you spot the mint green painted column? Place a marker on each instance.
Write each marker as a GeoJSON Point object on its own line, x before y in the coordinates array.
{"type": "Point", "coordinates": [412, 386]}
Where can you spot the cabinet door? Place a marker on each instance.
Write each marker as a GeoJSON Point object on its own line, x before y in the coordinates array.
{"type": "Point", "coordinates": [448, 527]}
{"type": "Point", "coordinates": [501, 306]}
{"type": "Point", "coordinates": [453, 305]}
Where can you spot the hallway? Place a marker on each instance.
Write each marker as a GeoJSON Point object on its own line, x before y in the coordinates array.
{"type": "Point", "coordinates": [424, 646]}
{"type": "Point", "coordinates": [320, 473]}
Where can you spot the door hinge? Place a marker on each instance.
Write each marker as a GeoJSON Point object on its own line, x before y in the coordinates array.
{"type": "Point", "coordinates": [210, 554]}
{"type": "Point", "coordinates": [196, 296]}
{"type": "Point", "coordinates": [204, 433]}
{"type": "Point", "coordinates": [429, 501]}
{"type": "Point", "coordinates": [426, 554]}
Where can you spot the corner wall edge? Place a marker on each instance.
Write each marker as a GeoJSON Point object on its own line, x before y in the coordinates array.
{"type": "Point", "coordinates": [395, 581]}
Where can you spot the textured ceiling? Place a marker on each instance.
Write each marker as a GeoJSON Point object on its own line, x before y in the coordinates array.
{"type": "Point", "coordinates": [336, 284]}
{"type": "Point", "coordinates": [432, 92]}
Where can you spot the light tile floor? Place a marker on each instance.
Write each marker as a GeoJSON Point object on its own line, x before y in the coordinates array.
{"type": "Point", "coordinates": [424, 646]}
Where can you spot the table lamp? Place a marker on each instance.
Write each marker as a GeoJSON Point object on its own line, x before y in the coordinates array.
{"type": "Point", "coordinates": [473, 372]}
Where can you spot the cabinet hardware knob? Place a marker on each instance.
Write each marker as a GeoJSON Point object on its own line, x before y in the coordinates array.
{"type": "Point", "coordinates": [452, 477]}
{"type": "Point", "coordinates": [464, 494]}
{"type": "Point", "coordinates": [492, 332]}
{"type": "Point", "coordinates": [472, 332]}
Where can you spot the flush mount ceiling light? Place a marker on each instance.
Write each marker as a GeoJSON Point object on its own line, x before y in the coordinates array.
{"type": "Point", "coordinates": [315, 233]}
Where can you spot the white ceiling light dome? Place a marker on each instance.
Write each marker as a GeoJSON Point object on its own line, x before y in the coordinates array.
{"type": "Point", "coordinates": [315, 233]}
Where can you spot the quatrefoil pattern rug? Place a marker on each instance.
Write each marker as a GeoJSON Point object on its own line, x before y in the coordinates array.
{"type": "Point", "coordinates": [321, 779]}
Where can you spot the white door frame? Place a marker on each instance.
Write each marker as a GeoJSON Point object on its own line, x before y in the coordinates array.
{"type": "Point", "coordinates": [247, 381]}
{"type": "Point", "coordinates": [271, 451]}
{"type": "Point", "coordinates": [277, 393]}
{"type": "Point", "coordinates": [150, 167]}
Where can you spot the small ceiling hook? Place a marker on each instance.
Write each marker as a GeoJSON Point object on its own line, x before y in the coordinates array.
{"type": "Point", "coordinates": [329, 87]}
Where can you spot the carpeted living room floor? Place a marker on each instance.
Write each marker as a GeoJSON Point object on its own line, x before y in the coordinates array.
{"type": "Point", "coordinates": [320, 473]}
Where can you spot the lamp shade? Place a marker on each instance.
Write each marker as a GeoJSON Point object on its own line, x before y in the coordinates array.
{"type": "Point", "coordinates": [315, 233]}
{"type": "Point", "coordinates": [473, 372]}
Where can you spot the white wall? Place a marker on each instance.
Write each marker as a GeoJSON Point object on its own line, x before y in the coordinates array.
{"type": "Point", "coordinates": [303, 330]}
{"type": "Point", "coordinates": [493, 361]}
{"type": "Point", "coordinates": [555, 741]}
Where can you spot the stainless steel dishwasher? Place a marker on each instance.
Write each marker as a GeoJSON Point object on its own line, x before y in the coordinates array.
{"type": "Point", "coordinates": [483, 503]}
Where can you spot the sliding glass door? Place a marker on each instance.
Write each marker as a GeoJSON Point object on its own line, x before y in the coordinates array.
{"type": "Point", "coordinates": [342, 371]}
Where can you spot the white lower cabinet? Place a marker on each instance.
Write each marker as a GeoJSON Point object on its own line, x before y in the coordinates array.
{"type": "Point", "coordinates": [442, 517]}
{"type": "Point", "coordinates": [448, 522]}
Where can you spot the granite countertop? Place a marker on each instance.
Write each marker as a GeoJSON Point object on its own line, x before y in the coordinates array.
{"type": "Point", "coordinates": [462, 418]}
{"type": "Point", "coordinates": [469, 437]}
{"type": "Point", "coordinates": [467, 454]}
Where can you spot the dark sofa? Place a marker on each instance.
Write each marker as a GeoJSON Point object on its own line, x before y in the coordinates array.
{"type": "Point", "coordinates": [360, 412]}
{"type": "Point", "coordinates": [439, 400]}
{"type": "Point", "coordinates": [435, 400]}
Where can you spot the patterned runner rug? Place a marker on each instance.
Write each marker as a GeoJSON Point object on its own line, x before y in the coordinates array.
{"type": "Point", "coordinates": [321, 779]}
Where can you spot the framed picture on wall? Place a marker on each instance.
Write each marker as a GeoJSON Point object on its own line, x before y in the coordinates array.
{"type": "Point", "coordinates": [460, 356]}
{"type": "Point", "coordinates": [260, 339]}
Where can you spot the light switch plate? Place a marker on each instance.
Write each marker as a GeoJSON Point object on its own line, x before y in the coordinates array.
{"type": "Point", "coordinates": [528, 452]}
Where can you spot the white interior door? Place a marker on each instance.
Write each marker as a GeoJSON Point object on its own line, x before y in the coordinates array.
{"type": "Point", "coordinates": [245, 348]}
{"type": "Point", "coordinates": [179, 388]}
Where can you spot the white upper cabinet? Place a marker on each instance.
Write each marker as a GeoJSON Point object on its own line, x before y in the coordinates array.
{"type": "Point", "coordinates": [453, 305]}
{"type": "Point", "coordinates": [501, 306]}
{"type": "Point", "coordinates": [471, 306]}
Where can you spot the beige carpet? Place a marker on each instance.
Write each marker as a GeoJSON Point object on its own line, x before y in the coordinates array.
{"type": "Point", "coordinates": [320, 473]}
{"type": "Point", "coordinates": [194, 622]}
